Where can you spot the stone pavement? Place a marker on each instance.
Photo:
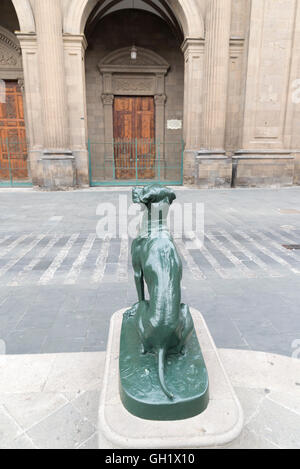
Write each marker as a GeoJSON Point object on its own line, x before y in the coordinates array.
{"type": "Point", "coordinates": [51, 401]}
{"type": "Point", "coordinates": [60, 283]}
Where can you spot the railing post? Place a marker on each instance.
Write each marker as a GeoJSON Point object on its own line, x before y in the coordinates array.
{"type": "Point", "coordinates": [182, 156]}
{"type": "Point", "coordinates": [90, 163]}
{"type": "Point", "coordinates": [159, 161]}
{"type": "Point", "coordinates": [9, 164]}
{"type": "Point", "coordinates": [136, 161]}
{"type": "Point", "coordinates": [114, 159]}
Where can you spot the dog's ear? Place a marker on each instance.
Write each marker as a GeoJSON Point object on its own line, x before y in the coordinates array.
{"type": "Point", "coordinates": [171, 196]}
{"type": "Point", "coordinates": [137, 194]}
{"type": "Point", "coordinates": [156, 193]}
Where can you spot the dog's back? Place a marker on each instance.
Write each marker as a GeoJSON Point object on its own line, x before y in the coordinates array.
{"type": "Point", "coordinates": [162, 270]}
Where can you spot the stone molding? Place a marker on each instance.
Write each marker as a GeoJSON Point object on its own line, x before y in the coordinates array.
{"type": "Point", "coordinates": [108, 99]}
{"type": "Point", "coordinates": [9, 39]}
{"type": "Point", "coordinates": [72, 40]}
{"type": "Point", "coordinates": [160, 99]}
{"type": "Point", "coordinates": [123, 76]}
{"type": "Point", "coordinates": [10, 56]}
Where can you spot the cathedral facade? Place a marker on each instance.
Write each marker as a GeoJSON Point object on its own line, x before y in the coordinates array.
{"type": "Point", "coordinates": [119, 92]}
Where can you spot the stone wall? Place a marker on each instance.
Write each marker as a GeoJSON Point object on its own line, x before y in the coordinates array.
{"type": "Point", "coordinates": [263, 171]}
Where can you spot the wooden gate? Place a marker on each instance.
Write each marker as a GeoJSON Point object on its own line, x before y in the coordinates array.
{"type": "Point", "coordinates": [134, 134]}
{"type": "Point", "coordinates": [13, 148]}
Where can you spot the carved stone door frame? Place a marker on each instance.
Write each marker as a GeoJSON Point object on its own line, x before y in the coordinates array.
{"type": "Point", "coordinates": [142, 77]}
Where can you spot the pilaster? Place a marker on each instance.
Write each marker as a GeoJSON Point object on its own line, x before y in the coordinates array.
{"type": "Point", "coordinates": [58, 162]}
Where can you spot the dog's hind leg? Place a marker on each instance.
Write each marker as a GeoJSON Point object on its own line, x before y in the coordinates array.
{"type": "Point", "coordinates": [142, 311]}
{"type": "Point", "coordinates": [187, 327]}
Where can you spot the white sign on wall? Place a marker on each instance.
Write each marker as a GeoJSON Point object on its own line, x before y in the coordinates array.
{"type": "Point", "coordinates": [174, 124]}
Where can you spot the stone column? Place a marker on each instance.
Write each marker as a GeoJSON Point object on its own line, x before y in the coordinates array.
{"type": "Point", "coordinates": [216, 74]}
{"type": "Point", "coordinates": [75, 47]}
{"type": "Point", "coordinates": [33, 108]}
{"type": "Point", "coordinates": [193, 50]}
{"type": "Point", "coordinates": [58, 162]}
{"type": "Point", "coordinates": [214, 168]}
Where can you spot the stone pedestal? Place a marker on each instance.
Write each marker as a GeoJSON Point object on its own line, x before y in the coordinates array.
{"type": "Point", "coordinates": [217, 426]}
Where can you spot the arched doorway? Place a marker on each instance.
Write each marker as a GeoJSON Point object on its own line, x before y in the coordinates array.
{"type": "Point", "coordinates": [134, 105]}
{"type": "Point", "coordinates": [184, 20]}
{"type": "Point", "coordinates": [13, 146]}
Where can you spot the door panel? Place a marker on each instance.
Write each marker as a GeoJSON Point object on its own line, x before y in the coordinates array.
{"type": "Point", "coordinates": [13, 150]}
{"type": "Point", "coordinates": [134, 133]}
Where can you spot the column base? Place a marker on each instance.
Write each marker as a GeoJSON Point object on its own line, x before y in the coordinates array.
{"type": "Point", "coordinates": [58, 170]}
{"type": "Point", "coordinates": [296, 155]}
{"type": "Point", "coordinates": [189, 167]}
{"type": "Point", "coordinates": [263, 168]}
{"type": "Point", "coordinates": [213, 169]}
{"type": "Point", "coordinates": [81, 157]}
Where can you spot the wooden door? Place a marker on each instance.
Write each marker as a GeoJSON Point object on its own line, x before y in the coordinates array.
{"type": "Point", "coordinates": [13, 150]}
{"type": "Point", "coordinates": [134, 134]}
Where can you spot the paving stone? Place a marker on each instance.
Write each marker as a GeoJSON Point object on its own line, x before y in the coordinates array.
{"type": "Point", "coordinates": [64, 377]}
{"type": "Point", "coordinates": [277, 424]}
{"type": "Point", "coordinates": [64, 429]}
{"type": "Point", "coordinates": [87, 404]}
{"type": "Point", "coordinates": [91, 443]}
{"type": "Point", "coordinates": [9, 430]}
{"type": "Point", "coordinates": [250, 440]}
{"type": "Point", "coordinates": [30, 408]}
{"type": "Point", "coordinates": [26, 341]}
{"type": "Point", "coordinates": [21, 442]}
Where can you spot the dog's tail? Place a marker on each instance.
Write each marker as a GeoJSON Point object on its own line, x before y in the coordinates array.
{"type": "Point", "coordinates": [161, 373]}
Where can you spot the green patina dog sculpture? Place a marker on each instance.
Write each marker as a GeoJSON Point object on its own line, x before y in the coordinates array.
{"type": "Point", "coordinates": [158, 338]}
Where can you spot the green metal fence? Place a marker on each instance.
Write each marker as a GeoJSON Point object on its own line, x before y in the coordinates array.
{"type": "Point", "coordinates": [124, 162]}
{"type": "Point", "coordinates": [14, 170]}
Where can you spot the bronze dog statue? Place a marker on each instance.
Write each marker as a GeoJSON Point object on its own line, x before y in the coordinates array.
{"type": "Point", "coordinates": [164, 323]}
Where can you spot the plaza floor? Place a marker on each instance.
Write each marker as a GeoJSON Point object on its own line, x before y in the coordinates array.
{"type": "Point", "coordinates": [60, 283]}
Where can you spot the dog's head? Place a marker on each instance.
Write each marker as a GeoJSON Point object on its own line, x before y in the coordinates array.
{"type": "Point", "coordinates": [153, 194]}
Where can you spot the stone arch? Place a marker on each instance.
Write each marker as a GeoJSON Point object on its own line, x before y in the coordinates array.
{"type": "Point", "coordinates": [188, 13]}
{"type": "Point", "coordinates": [25, 15]}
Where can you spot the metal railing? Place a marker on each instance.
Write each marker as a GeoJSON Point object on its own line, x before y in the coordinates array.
{"type": "Point", "coordinates": [13, 163]}
{"type": "Point", "coordinates": [135, 162]}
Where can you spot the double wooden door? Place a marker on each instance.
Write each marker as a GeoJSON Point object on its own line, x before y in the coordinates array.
{"type": "Point", "coordinates": [134, 137]}
{"type": "Point", "coordinates": [13, 150]}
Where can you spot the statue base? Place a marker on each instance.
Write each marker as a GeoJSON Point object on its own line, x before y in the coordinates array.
{"type": "Point", "coordinates": [217, 426]}
{"type": "Point", "coordinates": [141, 393]}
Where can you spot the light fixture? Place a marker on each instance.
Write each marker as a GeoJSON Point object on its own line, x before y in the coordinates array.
{"type": "Point", "coordinates": [133, 53]}
{"type": "Point", "coordinates": [133, 50]}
